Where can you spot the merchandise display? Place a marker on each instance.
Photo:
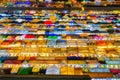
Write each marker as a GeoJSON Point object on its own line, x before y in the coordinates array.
{"type": "Point", "coordinates": [55, 42]}
{"type": "Point", "coordinates": [58, 3]}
